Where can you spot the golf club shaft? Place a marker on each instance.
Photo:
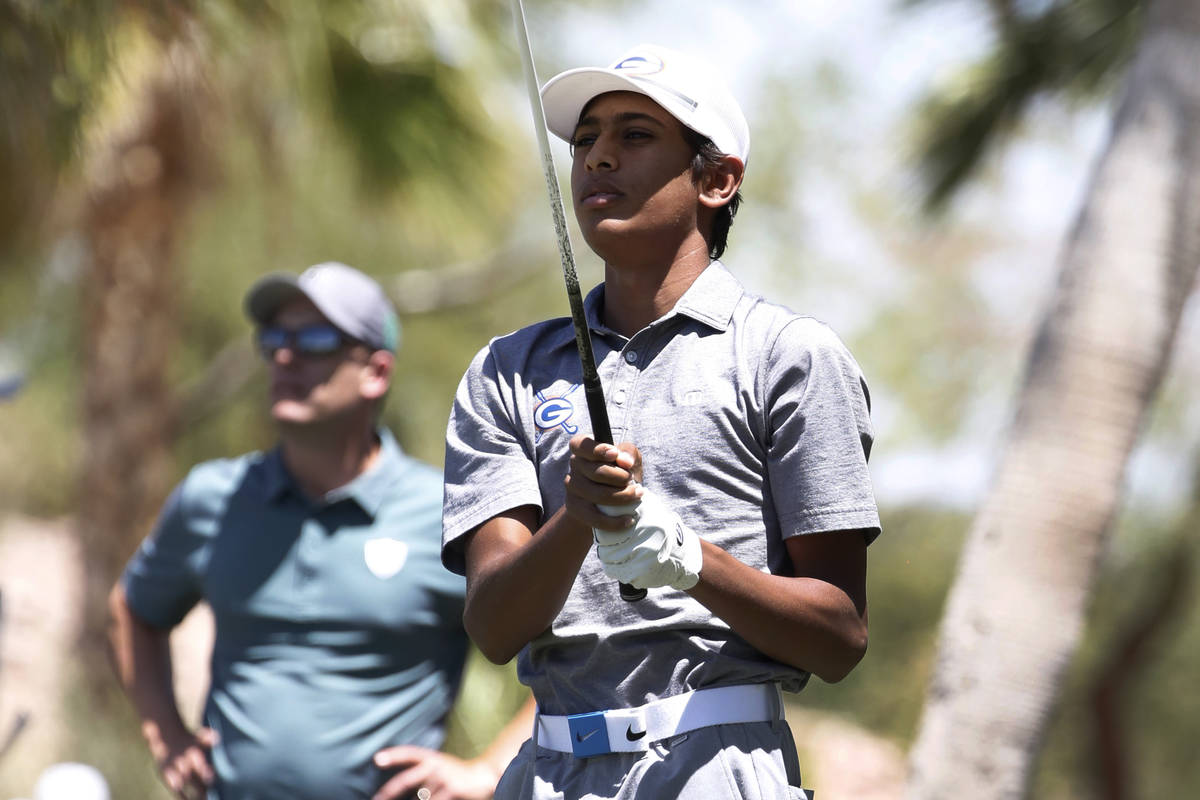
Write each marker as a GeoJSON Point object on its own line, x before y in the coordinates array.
{"type": "Point", "coordinates": [593, 391]}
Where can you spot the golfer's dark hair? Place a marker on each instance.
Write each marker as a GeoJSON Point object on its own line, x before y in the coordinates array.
{"type": "Point", "coordinates": [707, 155]}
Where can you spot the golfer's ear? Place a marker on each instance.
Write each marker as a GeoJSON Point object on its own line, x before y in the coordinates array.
{"type": "Point", "coordinates": [720, 181]}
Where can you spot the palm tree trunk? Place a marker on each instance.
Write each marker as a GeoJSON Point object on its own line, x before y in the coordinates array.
{"type": "Point", "coordinates": [1016, 611]}
{"type": "Point", "coordinates": [141, 179]}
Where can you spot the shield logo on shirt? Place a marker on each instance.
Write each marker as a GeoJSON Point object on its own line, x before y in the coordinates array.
{"type": "Point", "coordinates": [385, 557]}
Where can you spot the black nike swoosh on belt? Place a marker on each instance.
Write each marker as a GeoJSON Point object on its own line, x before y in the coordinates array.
{"type": "Point", "coordinates": [631, 736]}
{"type": "Point", "coordinates": [679, 535]}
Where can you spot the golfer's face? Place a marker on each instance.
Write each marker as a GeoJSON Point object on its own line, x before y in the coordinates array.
{"type": "Point", "coordinates": [307, 388]}
{"type": "Point", "coordinates": [631, 172]}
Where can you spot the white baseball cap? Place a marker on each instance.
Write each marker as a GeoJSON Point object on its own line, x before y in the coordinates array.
{"type": "Point", "coordinates": [689, 90]}
{"type": "Point", "coordinates": [351, 300]}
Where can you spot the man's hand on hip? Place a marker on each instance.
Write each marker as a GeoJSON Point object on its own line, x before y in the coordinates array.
{"type": "Point", "coordinates": [183, 762]}
{"type": "Point", "coordinates": [442, 776]}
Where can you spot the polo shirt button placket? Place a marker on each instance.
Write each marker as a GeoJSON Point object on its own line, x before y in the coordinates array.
{"type": "Point", "coordinates": [307, 555]}
{"type": "Point", "coordinates": [620, 393]}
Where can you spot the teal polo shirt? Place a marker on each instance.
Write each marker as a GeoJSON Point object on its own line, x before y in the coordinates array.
{"type": "Point", "coordinates": [338, 631]}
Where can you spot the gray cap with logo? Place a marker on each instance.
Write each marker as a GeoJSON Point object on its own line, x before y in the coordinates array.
{"type": "Point", "coordinates": [351, 300]}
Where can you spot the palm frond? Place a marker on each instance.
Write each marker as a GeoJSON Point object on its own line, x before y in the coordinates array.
{"type": "Point", "coordinates": [1075, 49]}
{"type": "Point", "coordinates": [406, 120]}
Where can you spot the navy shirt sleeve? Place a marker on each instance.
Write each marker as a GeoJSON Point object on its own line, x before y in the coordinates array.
{"type": "Point", "coordinates": [162, 580]}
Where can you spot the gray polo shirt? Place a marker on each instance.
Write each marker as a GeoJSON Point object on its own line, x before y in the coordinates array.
{"type": "Point", "coordinates": [338, 630]}
{"type": "Point", "coordinates": [753, 423]}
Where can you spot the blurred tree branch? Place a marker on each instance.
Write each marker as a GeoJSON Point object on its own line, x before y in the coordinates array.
{"type": "Point", "coordinates": [420, 291]}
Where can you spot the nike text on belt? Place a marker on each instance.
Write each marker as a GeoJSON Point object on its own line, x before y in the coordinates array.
{"type": "Point", "coordinates": [631, 730]}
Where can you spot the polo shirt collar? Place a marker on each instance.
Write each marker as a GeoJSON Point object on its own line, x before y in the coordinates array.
{"type": "Point", "coordinates": [276, 480]}
{"type": "Point", "coordinates": [372, 488]}
{"type": "Point", "coordinates": [711, 300]}
{"type": "Point", "coordinates": [712, 297]}
{"type": "Point", "coordinates": [368, 490]}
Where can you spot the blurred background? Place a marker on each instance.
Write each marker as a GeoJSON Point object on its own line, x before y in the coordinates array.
{"type": "Point", "coordinates": [916, 171]}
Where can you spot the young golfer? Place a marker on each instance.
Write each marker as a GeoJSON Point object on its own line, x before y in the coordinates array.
{"type": "Point", "coordinates": [738, 493]}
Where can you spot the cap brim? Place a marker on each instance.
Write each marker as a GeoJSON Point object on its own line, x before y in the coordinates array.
{"type": "Point", "coordinates": [565, 95]}
{"type": "Point", "coordinates": [269, 293]}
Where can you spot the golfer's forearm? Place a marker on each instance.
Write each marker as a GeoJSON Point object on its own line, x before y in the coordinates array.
{"type": "Point", "coordinates": [804, 622]}
{"type": "Point", "coordinates": [518, 583]}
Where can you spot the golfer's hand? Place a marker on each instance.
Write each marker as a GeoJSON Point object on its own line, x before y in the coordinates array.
{"type": "Point", "coordinates": [444, 776]}
{"type": "Point", "coordinates": [183, 762]}
{"type": "Point", "coordinates": [659, 550]}
{"type": "Point", "coordinates": [603, 475]}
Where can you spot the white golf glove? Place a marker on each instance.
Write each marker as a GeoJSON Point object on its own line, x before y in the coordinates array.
{"type": "Point", "coordinates": [659, 550]}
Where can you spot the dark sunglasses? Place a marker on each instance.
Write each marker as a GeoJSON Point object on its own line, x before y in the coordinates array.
{"type": "Point", "coordinates": [311, 340]}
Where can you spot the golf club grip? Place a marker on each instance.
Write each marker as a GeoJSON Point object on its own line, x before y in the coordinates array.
{"type": "Point", "coordinates": [602, 432]}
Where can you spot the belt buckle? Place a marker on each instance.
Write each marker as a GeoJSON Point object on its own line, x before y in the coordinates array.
{"type": "Point", "coordinates": [589, 734]}
{"type": "Point", "coordinates": [629, 728]}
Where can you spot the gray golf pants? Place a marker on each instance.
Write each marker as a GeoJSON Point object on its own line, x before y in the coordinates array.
{"type": "Point", "coordinates": [745, 761]}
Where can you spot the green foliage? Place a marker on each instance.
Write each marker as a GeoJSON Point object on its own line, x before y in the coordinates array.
{"type": "Point", "coordinates": [489, 697]}
{"type": "Point", "coordinates": [48, 59]}
{"type": "Point", "coordinates": [1158, 706]}
{"type": "Point", "coordinates": [50, 55]}
{"type": "Point", "coordinates": [1070, 47]}
{"type": "Point", "coordinates": [442, 345]}
{"type": "Point", "coordinates": [408, 121]}
{"type": "Point", "coordinates": [910, 569]}
{"type": "Point", "coordinates": [40, 452]}
{"type": "Point", "coordinates": [290, 165]}
{"type": "Point", "coordinates": [117, 749]}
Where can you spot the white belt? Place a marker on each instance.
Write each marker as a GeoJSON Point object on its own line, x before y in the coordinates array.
{"type": "Point", "coordinates": [631, 730]}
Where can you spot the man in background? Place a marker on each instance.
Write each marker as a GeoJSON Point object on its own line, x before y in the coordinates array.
{"type": "Point", "coordinates": [339, 644]}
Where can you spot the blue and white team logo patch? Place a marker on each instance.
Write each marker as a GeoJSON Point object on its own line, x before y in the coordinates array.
{"type": "Point", "coordinates": [555, 412]}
